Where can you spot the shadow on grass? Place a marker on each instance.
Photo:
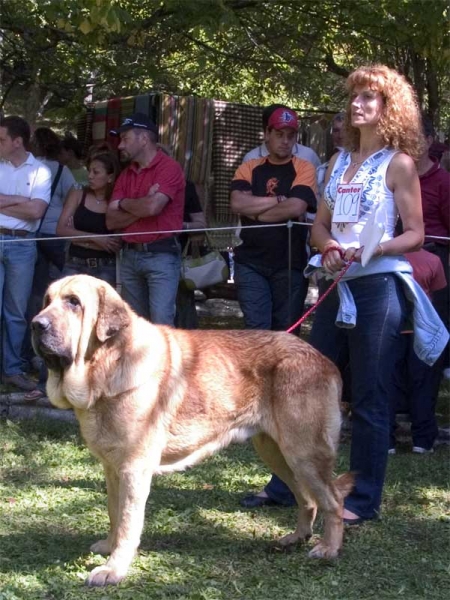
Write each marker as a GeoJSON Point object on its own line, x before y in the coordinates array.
{"type": "Point", "coordinates": [37, 548]}
{"type": "Point", "coordinates": [209, 551]}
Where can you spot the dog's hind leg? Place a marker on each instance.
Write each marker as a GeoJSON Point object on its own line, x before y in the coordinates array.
{"type": "Point", "coordinates": [307, 429]}
{"type": "Point", "coordinates": [270, 453]}
{"type": "Point", "coordinates": [315, 474]}
{"type": "Point", "coordinates": [331, 496]}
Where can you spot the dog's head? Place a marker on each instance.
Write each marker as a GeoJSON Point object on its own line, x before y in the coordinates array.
{"type": "Point", "coordinates": [80, 313]}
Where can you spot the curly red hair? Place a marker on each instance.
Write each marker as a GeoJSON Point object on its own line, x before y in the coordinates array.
{"type": "Point", "coordinates": [400, 124]}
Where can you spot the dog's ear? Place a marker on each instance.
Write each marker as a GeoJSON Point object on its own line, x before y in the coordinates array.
{"type": "Point", "coordinates": [113, 315]}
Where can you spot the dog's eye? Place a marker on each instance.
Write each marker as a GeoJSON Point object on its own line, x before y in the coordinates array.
{"type": "Point", "coordinates": [73, 301]}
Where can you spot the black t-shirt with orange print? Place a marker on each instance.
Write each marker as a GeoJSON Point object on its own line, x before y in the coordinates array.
{"type": "Point", "coordinates": [270, 246]}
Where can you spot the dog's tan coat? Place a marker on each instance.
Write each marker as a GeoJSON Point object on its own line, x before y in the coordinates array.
{"type": "Point", "coordinates": [152, 399]}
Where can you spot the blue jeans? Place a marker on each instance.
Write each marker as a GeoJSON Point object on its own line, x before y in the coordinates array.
{"type": "Point", "coordinates": [17, 260]}
{"type": "Point", "coordinates": [374, 347]}
{"type": "Point", "coordinates": [264, 298]}
{"type": "Point", "coordinates": [417, 388]}
{"type": "Point", "coordinates": [150, 284]}
{"type": "Point", "coordinates": [105, 272]}
{"type": "Point", "coordinates": [186, 315]}
{"type": "Point", "coordinates": [49, 265]}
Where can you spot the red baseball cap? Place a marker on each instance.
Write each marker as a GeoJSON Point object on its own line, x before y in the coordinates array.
{"type": "Point", "coordinates": [282, 118]}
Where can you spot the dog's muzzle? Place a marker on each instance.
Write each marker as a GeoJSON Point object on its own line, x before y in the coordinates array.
{"type": "Point", "coordinates": [48, 344]}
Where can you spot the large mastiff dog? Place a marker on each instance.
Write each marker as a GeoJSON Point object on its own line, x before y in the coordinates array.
{"type": "Point", "coordinates": [153, 399]}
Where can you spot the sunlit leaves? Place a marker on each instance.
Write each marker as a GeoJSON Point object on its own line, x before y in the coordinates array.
{"type": "Point", "coordinates": [252, 51]}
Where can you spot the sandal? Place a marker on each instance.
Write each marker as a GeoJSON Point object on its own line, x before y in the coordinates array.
{"type": "Point", "coordinates": [34, 395]}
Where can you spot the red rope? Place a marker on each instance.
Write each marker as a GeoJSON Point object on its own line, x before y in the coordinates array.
{"type": "Point", "coordinates": [322, 297]}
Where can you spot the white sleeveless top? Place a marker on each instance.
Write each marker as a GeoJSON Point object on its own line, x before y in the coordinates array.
{"type": "Point", "coordinates": [376, 196]}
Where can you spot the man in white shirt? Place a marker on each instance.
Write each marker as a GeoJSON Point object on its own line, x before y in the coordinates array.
{"type": "Point", "coordinates": [298, 150]}
{"type": "Point", "coordinates": [336, 137]}
{"type": "Point", "coordinates": [25, 185]}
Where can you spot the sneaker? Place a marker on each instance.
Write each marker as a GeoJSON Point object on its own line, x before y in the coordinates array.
{"type": "Point", "coordinates": [20, 381]}
{"type": "Point", "coordinates": [392, 451]}
{"type": "Point", "coordinates": [420, 450]}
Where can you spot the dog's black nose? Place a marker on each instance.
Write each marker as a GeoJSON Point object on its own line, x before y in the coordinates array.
{"type": "Point", "coordinates": [40, 324]}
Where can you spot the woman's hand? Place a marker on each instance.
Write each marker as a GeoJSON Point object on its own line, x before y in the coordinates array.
{"type": "Point", "coordinates": [332, 258]}
{"type": "Point", "coordinates": [108, 244]}
{"type": "Point", "coordinates": [353, 253]}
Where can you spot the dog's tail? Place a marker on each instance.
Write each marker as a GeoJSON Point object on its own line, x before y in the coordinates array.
{"type": "Point", "coordinates": [344, 483]}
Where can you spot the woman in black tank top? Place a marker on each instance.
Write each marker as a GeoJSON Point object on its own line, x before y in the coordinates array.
{"type": "Point", "coordinates": [84, 213]}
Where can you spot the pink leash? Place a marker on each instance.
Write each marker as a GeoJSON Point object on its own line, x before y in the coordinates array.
{"type": "Point", "coordinates": [322, 297]}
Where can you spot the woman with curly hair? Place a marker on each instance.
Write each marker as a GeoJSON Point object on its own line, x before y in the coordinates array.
{"type": "Point", "coordinates": [367, 187]}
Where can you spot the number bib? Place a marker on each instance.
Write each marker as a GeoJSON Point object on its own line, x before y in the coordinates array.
{"type": "Point", "coordinates": [348, 200]}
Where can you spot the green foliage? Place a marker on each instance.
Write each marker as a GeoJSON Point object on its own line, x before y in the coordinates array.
{"type": "Point", "coordinates": [253, 51]}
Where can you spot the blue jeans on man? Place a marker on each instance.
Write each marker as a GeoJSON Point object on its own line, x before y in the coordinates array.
{"type": "Point", "coordinates": [48, 268]}
{"type": "Point", "coordinates": [150, 283]}
{"type": "Point", "coordinates": [271, 299]}
{"type": "Point", "coordinates": [416, 392]}
{"type": "Point", "coordinates": [17, 260]}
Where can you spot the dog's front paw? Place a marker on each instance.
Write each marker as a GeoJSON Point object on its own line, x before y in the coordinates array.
{"type": "Point", "coordinates": [293, 538]}
{"type": "Point", "coordinates": [323, 551]}
{"type": "Point", "coordinates": [104, 575]}
{"type": "Point", "coordinates": [102, 547]}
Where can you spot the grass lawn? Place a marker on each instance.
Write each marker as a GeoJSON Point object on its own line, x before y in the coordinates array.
{"type": "Point", "coordinates": [197, 543]}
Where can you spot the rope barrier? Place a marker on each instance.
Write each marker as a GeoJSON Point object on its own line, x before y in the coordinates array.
{"type": "Point", "coordinates": [288, 225]}
{"type": "Point", "coordinates": [167, 231]}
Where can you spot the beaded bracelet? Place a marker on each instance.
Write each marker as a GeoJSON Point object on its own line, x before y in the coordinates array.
{"type": "Point", "coordinates": [332, 249]}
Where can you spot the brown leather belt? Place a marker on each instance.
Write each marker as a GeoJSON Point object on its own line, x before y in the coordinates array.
{"type": "Point", "coordinates": [169, 244]}
{"type": "Point", "coordinates": [137, 247]}
{"type": "Point", "coordinates": [14, 232]}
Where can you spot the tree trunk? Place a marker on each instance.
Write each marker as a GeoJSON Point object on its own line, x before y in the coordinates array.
{"type": "Point", "coordinates": [433, 92]}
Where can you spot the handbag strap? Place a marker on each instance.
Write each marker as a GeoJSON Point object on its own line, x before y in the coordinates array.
{"type": "Point", "coordinates": [208, 240]}
{"type": "Point", "coordinates": [52, 191]}
{"type": "Point", "coordinates": [188, 244]}
{"type": "Point", "coordinates": [186, 248]}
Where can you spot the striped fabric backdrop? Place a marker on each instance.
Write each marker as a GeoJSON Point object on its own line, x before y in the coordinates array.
{"type": "Point", "coordinates": [113, 119]}
{"type": "Point", "coordinates": [99, 122]}
{"type": "Point", "coordinates": [186, 128]}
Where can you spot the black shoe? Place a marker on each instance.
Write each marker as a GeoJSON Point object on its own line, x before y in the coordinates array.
{"type": "Point", "coordinates": [21, 381]}
{"type": "Point", "coordinates": [254, 501]}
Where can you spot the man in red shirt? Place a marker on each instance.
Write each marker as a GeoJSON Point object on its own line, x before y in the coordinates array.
{"type": "Point", "coordinates": [435, 188]}
{"type": "Point", "coordinates": [147, 205]}
{"type": "Point", "coordinates": [417, 384]}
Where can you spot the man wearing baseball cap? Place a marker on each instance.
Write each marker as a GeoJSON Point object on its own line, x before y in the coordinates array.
{"type": "Point", "coordinates": [146, 206]}
{"type": "Point", "coordinates": [270, 261]}
{"type": "Point", "coordinates": [297, 150]}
